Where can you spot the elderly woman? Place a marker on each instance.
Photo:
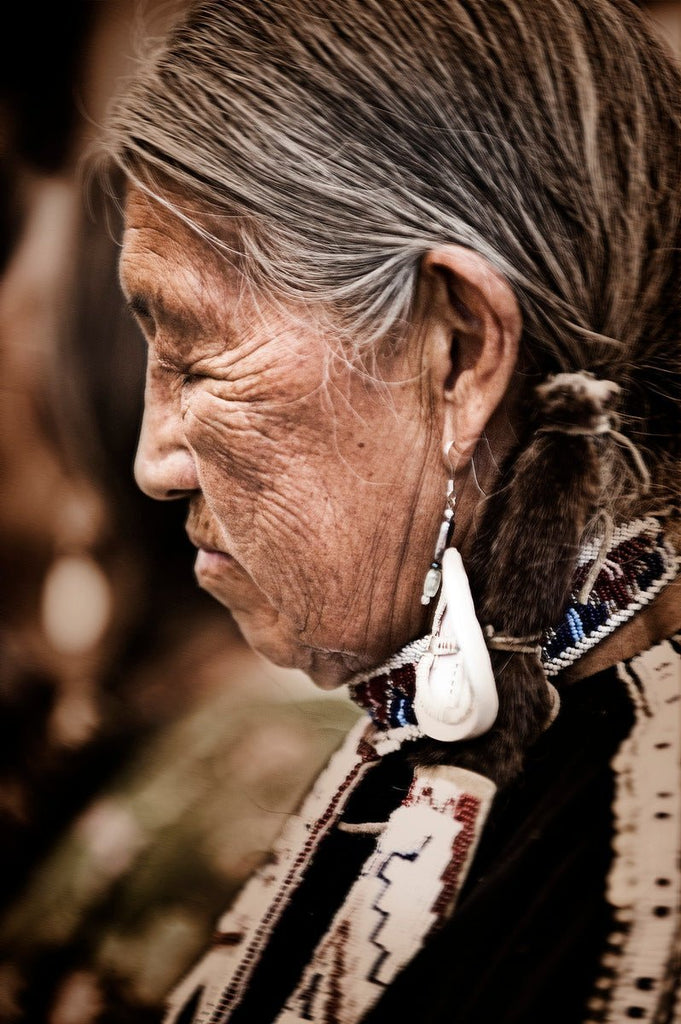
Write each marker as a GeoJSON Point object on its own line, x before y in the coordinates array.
{"type": "Point", "coordinates": [410, 276]}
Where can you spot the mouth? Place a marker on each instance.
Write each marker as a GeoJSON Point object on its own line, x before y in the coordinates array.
{"type": "Point", "coordinates": [209, 561]}
{"type": "Point", "coordinates": [209, 556]}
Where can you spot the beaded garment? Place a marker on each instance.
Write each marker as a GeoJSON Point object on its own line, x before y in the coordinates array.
{"type": "Point", "coordinates": [426, 846]}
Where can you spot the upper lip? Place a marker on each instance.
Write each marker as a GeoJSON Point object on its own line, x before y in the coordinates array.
{"type": "Point", "coordinates": [204, 543]}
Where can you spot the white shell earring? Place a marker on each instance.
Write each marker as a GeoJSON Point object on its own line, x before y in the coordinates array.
{"type": "Point", "coordinates": [456, 695]}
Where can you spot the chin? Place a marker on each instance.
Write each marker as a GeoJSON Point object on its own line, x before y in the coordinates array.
{"type": "Point", "coordinates": [273, 636]}
{"type": "Point", "coordinates": [327, 670]}
{"type": "Point", "coordinates": [262, 631]}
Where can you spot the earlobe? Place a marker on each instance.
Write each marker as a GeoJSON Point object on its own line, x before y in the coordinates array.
{"type": "Point", "coordinates": [473, 333]}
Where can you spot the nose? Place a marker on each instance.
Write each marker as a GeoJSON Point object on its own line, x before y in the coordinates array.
{"type": "Point", "coordinates": [164, 464]}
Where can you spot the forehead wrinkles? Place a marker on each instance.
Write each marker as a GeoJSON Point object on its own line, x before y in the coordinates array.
{"type": "Point", "coordinates": [214, 239]}
{"type": "Point", "coordinates": [166, 267]}
{"type": "Point", "coordinates": [214, 274]}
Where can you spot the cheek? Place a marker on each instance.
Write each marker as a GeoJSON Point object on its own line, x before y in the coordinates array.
{"type": "Point", "coordinates": [262, 475]}
{"type": "Point", "coordinates": [252, 448]}
{"type": "Point", "coordinates": [230, 451]}
{"type": "Point", "coordinates": [317, 505]}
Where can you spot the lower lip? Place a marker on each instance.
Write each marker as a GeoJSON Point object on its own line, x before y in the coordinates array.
{"type": "Point", "coordinates": [211, 561]}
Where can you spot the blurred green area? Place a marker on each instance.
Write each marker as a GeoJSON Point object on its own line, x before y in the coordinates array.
{"type": "Point", "coordinates": [128, 896]}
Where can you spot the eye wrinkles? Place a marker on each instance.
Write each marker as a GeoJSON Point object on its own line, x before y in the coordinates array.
{"type": "Point", "coordinates": [179, 371]}
{"type": "Point", "coordinates": [197, 329]}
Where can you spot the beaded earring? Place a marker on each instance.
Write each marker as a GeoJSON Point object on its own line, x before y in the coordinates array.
{"type": "Point", "coordinates": [433, 580]}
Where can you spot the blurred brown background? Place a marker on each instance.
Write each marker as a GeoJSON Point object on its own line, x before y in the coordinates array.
{"type": "Point", "coordinates": [146, 756]}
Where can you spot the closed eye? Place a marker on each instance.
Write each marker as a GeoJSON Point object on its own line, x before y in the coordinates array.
{"type": "Point", "coordinates": [187, 376]}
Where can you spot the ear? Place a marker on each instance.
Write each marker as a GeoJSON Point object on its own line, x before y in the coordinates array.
{"type": "Point", "coordinates": [472, 326]}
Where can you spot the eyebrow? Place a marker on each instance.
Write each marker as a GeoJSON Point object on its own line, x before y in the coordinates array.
{"type": "Point", "coordinates": [138, 306]}
{"type": "Point", "coordinates": [184, 328]}
{"type": "Point", "coordinates": [177, 321]}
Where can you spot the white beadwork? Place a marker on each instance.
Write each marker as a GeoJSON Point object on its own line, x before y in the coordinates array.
{"type": "Point", "coordinates": [263, 899]}
{"type": "Point", "coordinates": [406, 888]}
{"type": "Point", "coordinates": [410, 654]}
{"type": "Point", "coordinates": [644, 885]}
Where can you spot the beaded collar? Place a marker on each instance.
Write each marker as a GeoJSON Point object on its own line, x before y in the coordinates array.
{"type": "Point", "coordinates": [639, 562]}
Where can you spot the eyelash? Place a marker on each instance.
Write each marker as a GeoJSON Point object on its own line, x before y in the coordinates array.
{"type": "Point", "coordinates": [185, 377]}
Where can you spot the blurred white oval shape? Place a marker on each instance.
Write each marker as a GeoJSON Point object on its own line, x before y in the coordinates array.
{"type": "Point", "coordinates": [76, 604]}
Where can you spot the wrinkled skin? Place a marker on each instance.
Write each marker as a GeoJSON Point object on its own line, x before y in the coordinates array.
{"type": "Point", "coordinates": [315, 491]}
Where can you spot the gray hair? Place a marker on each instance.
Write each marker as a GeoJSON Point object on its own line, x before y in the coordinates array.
{"type": "Point", "coordinates": [343, 139]}
{"type": "Point", "coordinates": [346, 138]}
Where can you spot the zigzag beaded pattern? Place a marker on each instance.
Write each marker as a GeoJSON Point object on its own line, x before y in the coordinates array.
{"type": "Point", "coordinates": [638, 565]}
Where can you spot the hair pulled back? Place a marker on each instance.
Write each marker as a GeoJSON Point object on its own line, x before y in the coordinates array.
{"type": "Point", "coordinates": [346, 138]}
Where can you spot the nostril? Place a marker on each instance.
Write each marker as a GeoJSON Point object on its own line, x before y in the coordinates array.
{"type": "Point", "coordinates": [175, 494]}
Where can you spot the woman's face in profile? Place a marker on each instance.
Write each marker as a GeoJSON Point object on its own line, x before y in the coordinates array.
{"type": "Point", "coordinates": [314, 488]}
